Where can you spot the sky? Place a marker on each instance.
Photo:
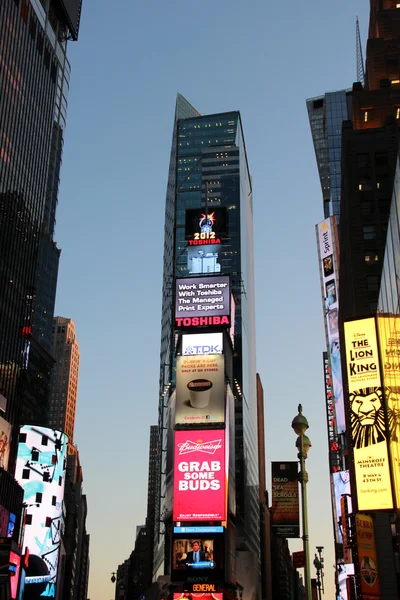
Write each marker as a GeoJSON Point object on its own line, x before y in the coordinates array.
{"type": "Point", "coordinates": [264, 59]}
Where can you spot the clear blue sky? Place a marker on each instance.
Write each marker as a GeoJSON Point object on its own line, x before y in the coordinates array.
{"type": "Point", "coordinates": [264, 59]}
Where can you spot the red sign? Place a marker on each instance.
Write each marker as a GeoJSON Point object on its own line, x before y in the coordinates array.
{"type": "Point", "coordinates": [200, 321]}
{"type": "Point", "coordinates": [199, 475]}
{"type": "Point", "coordinates": [299, 559]}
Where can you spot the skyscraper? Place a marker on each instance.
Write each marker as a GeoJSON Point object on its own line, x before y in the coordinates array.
{"type": "Point", "coordinates": [368, 153]}
{"type": "Point", "coordinates": [208, 256]}
{"type": "Point", "coordinates": [64, 379]}
{"type": "Point", "coordinates": [34, 82]}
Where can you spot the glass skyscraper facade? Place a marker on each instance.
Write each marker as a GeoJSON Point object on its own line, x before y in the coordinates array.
{"type": "Point", "coordinates": [34, 83]}
{"type": "Point", "coordinates": [326, 114]}
{"type": "Point", "coordinates": [209, 171]}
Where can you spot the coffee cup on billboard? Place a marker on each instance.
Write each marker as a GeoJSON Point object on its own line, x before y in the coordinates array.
{"type": "Point", "coordinates": [200, 392]}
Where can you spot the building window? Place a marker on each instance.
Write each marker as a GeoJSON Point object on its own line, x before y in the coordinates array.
{"type": "Point", "coordinates": [39, 497]}
{"type": "Point", "coordinates": [35, 455]}
{"type": "Point", "coordinates": [398, 112]}
{"type": "Point", "coordinates": [371, 257]}
{"type": "Point", "coordinates": [26, 473]}
{"type": "Point", "coordinates": [28, 519]}
{"type": "Point", "coordinates": [373, 283]}
{"type": "Point", "coordinates": [369, 232]}
{"type": "Point", "coordinates": [22, 438]}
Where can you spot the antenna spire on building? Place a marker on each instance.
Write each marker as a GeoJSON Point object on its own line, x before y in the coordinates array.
{"type": "Point", "coordinates": [360, 60]}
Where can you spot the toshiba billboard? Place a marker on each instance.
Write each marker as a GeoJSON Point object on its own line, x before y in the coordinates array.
{"type": "Point", "coordinates": [199, 475]}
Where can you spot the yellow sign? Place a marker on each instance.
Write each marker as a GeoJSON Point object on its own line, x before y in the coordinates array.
{"type": "Point", "coordinates": [204, 587]}
{"type": "Point", "coordinates": [389, 340]}
{"type": "Point", "coordinates": [367, 416]}
{"type": "Point", "coordinates": [367, 557]}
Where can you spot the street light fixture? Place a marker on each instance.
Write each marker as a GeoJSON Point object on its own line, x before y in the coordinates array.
{"type": "Point", "coordinates": [303, 444]}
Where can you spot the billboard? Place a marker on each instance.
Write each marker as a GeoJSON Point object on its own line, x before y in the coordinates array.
{"type": "Point", "coordinates": [5, 439]}
{"type": "Point", "coordinates": [198, 559]}
{"type": "Point", "coordinates": [202, 301]}
{"type": "Point", "coordinates": [200, 389]}
{"type": "Point", "coordinates": [201, 595]}
{"type": "Point", "coordinates": [205, 225]}
{"type": "Point", "coordinates": [366, 550]}
{"type": "Point", "coordinates": [40, 470]}
{"type": "Point", "coordinates": [202, 343]}
{"type": "Point", "coordinates": [334, 456]}
{"type": "Point", "coordinates": [285, 499]}
{"type": "Point", "coordinates": [199, 475]}
{"type": "Point", "coordinates": [341, 486]}
{"type": "Point", "coordinates": [329, 271]}
{"type": "Point", "coordinates": [367, 418]}
{"type": "Point", "coordinates": [204, 259]}
{"type": "Point", "coordinates": [389, 341]}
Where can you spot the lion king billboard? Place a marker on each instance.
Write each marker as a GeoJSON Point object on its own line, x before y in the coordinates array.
{"type": "Point", "coordinates": [367, 416]}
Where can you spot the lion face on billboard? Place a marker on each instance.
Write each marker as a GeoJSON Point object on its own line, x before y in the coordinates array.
{"type": "Point", "coordinates": [367, 417]}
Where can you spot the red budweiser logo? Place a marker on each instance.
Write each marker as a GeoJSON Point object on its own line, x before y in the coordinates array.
{"type": "Point", "coordinates": [206, 447]}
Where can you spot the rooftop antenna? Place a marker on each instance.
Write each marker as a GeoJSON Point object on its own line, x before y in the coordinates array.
{"type": "Point", "coordinates": [360, 60]}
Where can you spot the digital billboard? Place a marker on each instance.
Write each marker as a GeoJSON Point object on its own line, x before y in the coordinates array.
{"type": "Point", "coordinates": [334, 455]}
{"type": "Point", "coordinates": [5, 439]}
{"type": "Point", "coordinates": [198, 559]}
{"type": "Point", "coordinates": [204, 259]}
{"type": "Point", "coordinates": [202, 301]}
{"type": "Point", "coordinates": [205, 225]}
{"type": "Point", "coordinates": [40, 470]}
{"type": "Point", "coordinates": [341, 485]}
{"type": "Point", "coordinates": [200, 389]}
{"type": "Point", "coordinates": [389, 341]}
{"type": "Point", "coordinates": [369, 580]}
{"type": "Point", "coordinates": [285, 499]}
{"type": "Point", "coordinates": [200, 595]}
{"type": "Point", "coordinates": [199, 475]}
{"type": "Point", "coordinates": [329, 269]}
{"type": "Point", "coordinates": [202, 343]}
{"type": "Point", "coordinates": [367, 417]}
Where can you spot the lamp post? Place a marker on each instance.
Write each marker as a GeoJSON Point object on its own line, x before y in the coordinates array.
{"type": "Point", "coordinates": [303, 444]}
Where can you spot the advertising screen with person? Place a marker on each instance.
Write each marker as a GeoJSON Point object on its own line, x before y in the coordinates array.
{"type": "Point", "coordinates": [198, 557]}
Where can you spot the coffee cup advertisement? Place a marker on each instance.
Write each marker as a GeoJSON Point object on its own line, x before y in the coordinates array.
{"type": "Point", "coordinates": [200, 389]}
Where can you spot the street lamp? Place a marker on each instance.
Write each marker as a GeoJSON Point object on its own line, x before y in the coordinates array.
{"type": "Point", "coordinates": [303, 444]}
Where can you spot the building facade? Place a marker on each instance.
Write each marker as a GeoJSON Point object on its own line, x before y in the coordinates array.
{"type": "Point", "coordinates": [34, 84]}
{"type": "Point", "coordinates": [366, 137]}
{"type": "Point", "coordinates": [64, 378]}
{"type": "Point", "coordinates": [209, 248]}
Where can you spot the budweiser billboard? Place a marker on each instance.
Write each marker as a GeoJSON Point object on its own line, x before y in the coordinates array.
{"type": "Point", "coordinates": [199, 476]}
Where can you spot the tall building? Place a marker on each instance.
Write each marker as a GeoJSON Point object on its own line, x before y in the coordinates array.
{"type": "Point", "coordinates": [64, 379]}
{"type": "Point", "coordinates": [34, 83]}
{"type": "Point", "coordinates": [208, 290]}
{"type": "Point", "coordinates": [351, 261]}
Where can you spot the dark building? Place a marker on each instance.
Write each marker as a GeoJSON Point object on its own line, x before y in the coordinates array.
{"type": "Point", "coordinates": [365, 163]}
{"type": "Point", "coordinates": [76, 539]}
{"type": "Point", "coordinates": [34, 84]}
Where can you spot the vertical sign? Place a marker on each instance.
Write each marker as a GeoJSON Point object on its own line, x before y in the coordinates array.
{"type": "Point", "coordinates": [389, 340]}
{"type": "Point", "coordinates": [329, 269]}
{"type": "Point", "coordinates": [334, 460]}
{"type": "Point", "coordinates": [367, 417]}
{"type": "Point", "coordinates": [285, 499]}
{"type": "Point", "coordinates": [367, 557]}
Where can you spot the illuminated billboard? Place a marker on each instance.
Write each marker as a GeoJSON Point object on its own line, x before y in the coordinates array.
{"type": "Point", "coordinates": [5, 439]}
{"type": "Point", "coordinates": [202, 301]}
{"type": "Point", "coordinates": [329, 270]}
{"type": "Point", "coordinates": [205, 225]}
{"type": "Point", "coordinates": [198, 559]}
{"type": "Point", "coordinates": [334, 455]}
{"type": "Point", "coordinates": [200, 595]}
{"type": "Point", "coordinates": [285, 499]}
{"type": "Point", "coordinates": [202, 343]}
{"type": "Point", "coordinates": [199, 475]}
{"type": "Point", "coordinates": [341, 485]}
{"type": "Point", "coordinates": [367, 417]}
{"type": "Point", "coordinates": [204, 259]}
{"type": "Point", "coordinates": [200, 389]}
{"type": "Point", "coordinates": [389, 341]}
{"type": "Point", "coordinates": [369, 580]}
{"type": "Point", "coordinates": [40, 470]}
